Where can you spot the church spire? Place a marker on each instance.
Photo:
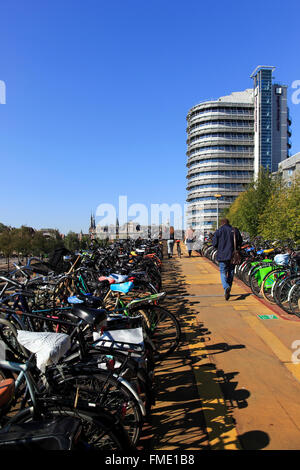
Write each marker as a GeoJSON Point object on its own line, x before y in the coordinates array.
{"type": "Point", "coordinates": [92, 229]}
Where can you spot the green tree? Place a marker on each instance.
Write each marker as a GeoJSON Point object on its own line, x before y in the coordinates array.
{"type": "Point", "coordinates": [281, 216]}
{"type": "Point", "coordinates": [6, 245]}
{"type": "Point", "coordinates": [3, 228]}
{"type": "Point", "coordinates": [84, 242]}
{"type": "Point", "coordinates": [71, 241]}
{"type": "Point", "coordinates": [22, 240]}
{"type": "Point", "coordinates": [39, 245]}
{"type": "Point", "coordinates": [246, 210]}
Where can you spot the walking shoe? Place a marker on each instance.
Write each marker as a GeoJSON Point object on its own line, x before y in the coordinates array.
{"type": "Point", "coordinates": [227, 293]}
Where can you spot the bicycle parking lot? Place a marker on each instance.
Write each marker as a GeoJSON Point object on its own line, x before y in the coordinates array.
{"type": "Point", "coordinates": [230, 383]}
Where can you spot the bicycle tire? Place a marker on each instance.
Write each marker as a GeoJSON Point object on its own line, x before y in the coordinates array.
{"type": "Point", "coordinates": [140, 377]}
{"type": "Point", "coordinates": [163, 329]}
{"type": "Point", "coordinates": [267, 284]}
{"type": "Point", "coordinates": [246, 273]}
{"type": "Point", "coordinates": [104, 389]}
{"type": "Point", "coordinates": [294, 298]}
{"type": "Point", "coordinates": [254, 285]}
{"type": "Point", "coordinates": [282, 292]}
{"type": "Point", "coordinates": [255, 282]}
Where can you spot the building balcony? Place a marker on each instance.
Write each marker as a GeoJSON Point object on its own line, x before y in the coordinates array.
{"type": "Point", "coordinates": [203, 129]}
{"type": "Point", "coordinates": [228, 159]}
{"type": "Point", "coordinates": [190, 187]}
{"type": "Point", "coordinates": [220, 114]}
{"type": "Point", "coordinates": [219, 179]}
{"type": "Point", "coordinates": [217, 152]}
{"type": "Point", "coordinates": [218, 166]}
{"type": "Point", "coordinates": [212, 192]}
{"type": "Point", "coordinates": [219, 141]}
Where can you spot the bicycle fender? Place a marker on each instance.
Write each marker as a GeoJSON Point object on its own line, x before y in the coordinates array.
{"type": "Point", "coordinates": [133, 392]}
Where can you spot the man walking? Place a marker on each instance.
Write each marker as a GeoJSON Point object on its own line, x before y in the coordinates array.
{"type": "Point", "coordinates": [224, 242]}
{"type": "Point", "coordinates": [170, 242]}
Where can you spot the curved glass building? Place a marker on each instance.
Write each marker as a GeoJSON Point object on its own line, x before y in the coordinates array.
{"type": "Point", "coordinates": [220, 156]}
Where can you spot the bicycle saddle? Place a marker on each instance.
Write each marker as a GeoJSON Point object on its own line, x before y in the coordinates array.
{"type": "Point", "coordinates": [124, 288]}
{"type": "Point", "coordinates": [92, 316]}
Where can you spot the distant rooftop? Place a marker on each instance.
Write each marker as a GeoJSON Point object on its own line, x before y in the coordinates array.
{"type": "Point", "coordinates": [290, 162]}
{"type": "Point", "coordinates": [246, 96]}
{"type": "Point", "coordinates": [261, 67]}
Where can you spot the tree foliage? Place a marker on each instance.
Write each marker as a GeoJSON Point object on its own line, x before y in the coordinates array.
{"type": "Point", "coordinates": [71, 241]}
{"type": "Point", "coordinates": [25, 241]}
{"type": "Point", "coordinates": [281, 217]}
{"type": "Point", "coordinates": [268, 208]}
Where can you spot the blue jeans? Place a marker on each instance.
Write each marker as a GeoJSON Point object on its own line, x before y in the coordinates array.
{"type": "Point", "coordinates": [227, 273]}
{"type": "Point", "coordinates": [170, 246]}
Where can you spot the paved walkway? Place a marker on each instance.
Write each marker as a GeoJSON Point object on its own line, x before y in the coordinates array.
{"type": "Point", "coordinates": [232, 384]}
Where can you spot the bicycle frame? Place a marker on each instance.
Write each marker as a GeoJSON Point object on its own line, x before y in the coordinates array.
{"type": "Point", "coordinates": [23, 374]}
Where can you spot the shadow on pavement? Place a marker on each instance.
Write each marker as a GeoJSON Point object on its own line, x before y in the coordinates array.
{"type": "Point", "coordinates": [195, 400]}
{"type": "Point", "coordinates": [254, 440]}
{"type": "Point", "coordinates": [239, 297]}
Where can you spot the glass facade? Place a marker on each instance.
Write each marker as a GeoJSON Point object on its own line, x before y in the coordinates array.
{"type": "Point", "coordinates": [271, 120]}
{"type": "Point", "coordinates": [265, 84]}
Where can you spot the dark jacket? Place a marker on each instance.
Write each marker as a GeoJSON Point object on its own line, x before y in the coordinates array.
{"type": "Point", "coordinates": [223, 241]}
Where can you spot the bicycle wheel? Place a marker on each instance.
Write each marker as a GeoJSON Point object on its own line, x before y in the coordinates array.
{"type": "Point", "coordinates": [245, 273]}
{"type": "Point", "coordinates": [257, 276]}
{"type": "Point", "coordinates": [255, 282]}
{"type": "Point", "coordinates": [101, 388]}
{"type": "Point", "coordinates": [294, 298]}
{"type": "Point", "coordinates": [281, 293]}
{"type": "Point", "coordinates": [163, 329]}
{"type": "Point", "coordinates": [267, 284]}
{"type": "Point", "coordinates": [139, 372]}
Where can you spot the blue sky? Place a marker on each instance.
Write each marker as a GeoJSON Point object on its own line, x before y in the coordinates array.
{"type": "Point", "coordinates": [97, 94]}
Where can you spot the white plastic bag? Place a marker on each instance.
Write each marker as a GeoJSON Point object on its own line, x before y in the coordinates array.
{"type": "Point", "coordinates": [282, 259]}
{"type": "Point", "coordinates": [48, 347]}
